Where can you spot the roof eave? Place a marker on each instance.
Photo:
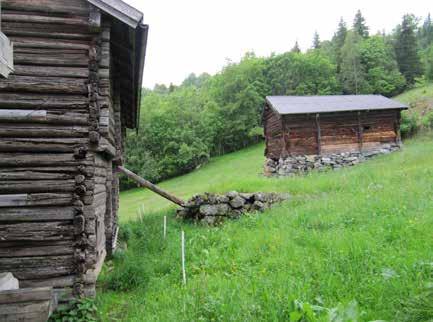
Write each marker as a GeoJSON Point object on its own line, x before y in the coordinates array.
{"type": "Point", "coordinates": [118, 9]}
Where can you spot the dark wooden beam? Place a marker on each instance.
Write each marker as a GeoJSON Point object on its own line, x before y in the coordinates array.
{"type": "Point", "coordinates": [360, 132]}
{"type": "Point", "coordinates": [319, 135]}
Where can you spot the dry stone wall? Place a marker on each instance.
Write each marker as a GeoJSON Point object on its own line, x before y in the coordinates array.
{"type": "Point", "coordinates": [293, 165]}
{"type": "Point", "coordinates": [213, 208]}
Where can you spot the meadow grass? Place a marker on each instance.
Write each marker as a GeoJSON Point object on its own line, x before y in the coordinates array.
{"type": "Point", "coordinates": [363, 233]}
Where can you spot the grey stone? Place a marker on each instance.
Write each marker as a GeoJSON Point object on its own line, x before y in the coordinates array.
{"type": "Point", "coordinates": [259, 206]}
{"type": "Point", "coordinates": [232, 194]}
{"type": "Point", "coordinates": [237, 202]}
{"type": "Point", "coordinates": [209, 210]}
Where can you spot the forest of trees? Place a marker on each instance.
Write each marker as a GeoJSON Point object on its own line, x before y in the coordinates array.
{"type": "Point", "coordinates": [181, 127]}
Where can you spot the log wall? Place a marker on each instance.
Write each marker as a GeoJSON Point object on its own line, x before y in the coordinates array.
{"type": "Point", "coordinates": [327, 133]}
{"type": "Point", "coordinates": [60, 137]}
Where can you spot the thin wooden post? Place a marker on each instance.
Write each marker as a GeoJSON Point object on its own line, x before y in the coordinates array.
{"type": "Point", "coordinates": [165, 227]}
{"type": "Point", "coordinates": [147, 184]}
{"type": "Point", "coordinates": [183, 257]}
{"type": "Point", "coordinates": [360, 132]}
{"type": "Point", "coordinates": [319, 136]}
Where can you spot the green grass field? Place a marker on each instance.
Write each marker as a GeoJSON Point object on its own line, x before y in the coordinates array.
{"type": "Point", "coordinates": [361, 234]}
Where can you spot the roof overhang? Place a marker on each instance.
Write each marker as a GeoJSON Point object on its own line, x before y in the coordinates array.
{"type": "Point", "coordinates": [132, 18]}
{"type": "Point", "coordinates": [287, 105]}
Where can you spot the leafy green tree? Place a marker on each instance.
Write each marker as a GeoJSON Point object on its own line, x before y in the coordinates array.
{"type": "Point", "coordinates": [407, 50]}
{"type": "Point", "coordinates": [359, 25]}
{"type": "Point", "coordinates": [316, 40]}
{"type": "Point", "coordinates": [352, 72]}
{"type": "Point", "coordinates": [381, 71]}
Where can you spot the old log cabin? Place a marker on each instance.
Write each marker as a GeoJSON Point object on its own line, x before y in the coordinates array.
{"type": "Point", "coordinates": [66, 100]}
{"type": "Point", "coordinates": [341, 126]}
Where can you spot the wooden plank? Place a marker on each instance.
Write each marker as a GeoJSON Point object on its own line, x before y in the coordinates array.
{"type": "Point", "coordinates": [319, 135]}
{"type": "Point", "coordinates": [35, 199]}
{"type": "Point", "coordinates": [22, 115]}
{"type": "Point", "coordinates": [48, 19]}
{"type": "Point", "coordinates": [42, 101]}
{"type": "Point", "coordinates": [43, 85]}
{"type": "Point", "coordinates": [25, 295]}
{"type": "Point", "coordinates": [49, 6]}
{"type": "Point", "coordinates": [37, 131]}
{"type": "Point", "coordinates": [37, 231]}
{"type": "Point", "coordinates": [58, 71]}
{"type": "Point", "coordinates": [33, 214]}
{"type": "Point", "coordinates": [21, 249]}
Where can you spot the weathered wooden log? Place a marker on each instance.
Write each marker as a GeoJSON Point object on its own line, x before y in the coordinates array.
{"type": "Point", "coordinates": [33, 18]}
{"type": "Point", "coordinates": [44, 116]}
{"type": "Point", "coordinates": [43, 159]}
{"type": "Point", "coordinates": [37, 231]}
{"type": "Point", "coordinates": [41, 145]}
{"type": "Point", "coordinates": [35, 199]}
{"type": "Point", "coordinates": [60, 71]}
{"type": "Point", "coordinates": [36, 131]}
{"type": "Point", "coordinates": [43, 85]}
{"type": "Point", "coordinates": [35, 262]}
{"type": "Point", "coordinates": [50, 6]}
{"type": "Point", "coordinates": [62, 281]}
{"type": "Point", "coordinates": [42, 101]}
{"type": "Point", "coordinates": [144, 183]}
{"type": "Point", "coordinates": [30, 186]}
{"type": "Point", "coordinates": [22, 214]}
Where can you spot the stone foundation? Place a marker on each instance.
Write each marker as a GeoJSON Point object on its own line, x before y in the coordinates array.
{"type": "Point", "coordinates": [293, 165]}
{"type": "Point", "coordinates": [213, 209]}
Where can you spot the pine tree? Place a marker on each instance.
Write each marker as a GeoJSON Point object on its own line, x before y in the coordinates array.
{"type": "Point", "coordinates": [406, 49]}
{"type": "Point", "coordinates": [316, 40]}
{"type": "Point", "coordinates": [341, 33]}
{"type": "Point", "coordinates": [359, 25]}
{"type": "Point", "coordinates": [338, 42]}
{"type": "Point", "coordinates": [296, 48]}
{"type": "Point", "coordinates": [425, 33]}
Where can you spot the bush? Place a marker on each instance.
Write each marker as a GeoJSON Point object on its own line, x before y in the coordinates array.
{"type": "Point", "coordinates": [81, 310]}
{"type": "Point", "coordinates": [409, 124]}
{"type": "Point", "coordinates": [427, 120]}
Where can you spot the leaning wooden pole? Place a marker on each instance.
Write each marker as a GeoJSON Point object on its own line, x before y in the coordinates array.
{"type": "Point", "coordinates": [149, 185]}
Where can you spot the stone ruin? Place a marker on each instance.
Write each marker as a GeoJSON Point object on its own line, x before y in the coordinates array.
{"type": "Point", "coordinates": [214, 208]}
{"type": "Point", "coordinates": [293, 165]}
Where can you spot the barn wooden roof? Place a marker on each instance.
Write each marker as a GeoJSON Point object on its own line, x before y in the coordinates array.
{"type": "Point", "coordinates": [129, 37]}
{"type": "Point", "coordinates": [331, 103]}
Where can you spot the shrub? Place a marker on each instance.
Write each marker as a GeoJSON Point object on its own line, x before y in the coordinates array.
{"type": "Point", "coordinates": [409, 124]}
{"type": "Point", "coordinates": [81, 310]}
{"type": "Point", "coordinates": [427, 120]}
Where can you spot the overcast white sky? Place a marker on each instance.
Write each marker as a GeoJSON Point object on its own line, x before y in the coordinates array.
{"type": "Point", "coordinates": [200, 35]}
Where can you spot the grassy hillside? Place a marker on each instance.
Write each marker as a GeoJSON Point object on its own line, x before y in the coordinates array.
{"type": "Point", "coordinates": [361, 234]}
{"type": "Point", "coordinates": [419, 99]}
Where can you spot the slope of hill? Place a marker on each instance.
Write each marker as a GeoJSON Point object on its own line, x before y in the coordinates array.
{"type": "Point", "coordinates": [361, 234]}
{"type": "Point", "coordinates": [419, 99]}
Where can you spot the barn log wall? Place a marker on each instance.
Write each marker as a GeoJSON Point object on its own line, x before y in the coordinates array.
{"type": "Point", "coordinates": [327, 133]}
{"type": "Point", "coordinates": [274, 134]}
{"type": "Point", "coordinates": [60, 138]}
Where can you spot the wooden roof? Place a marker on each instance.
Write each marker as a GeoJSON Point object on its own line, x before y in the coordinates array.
{"type": "Point", "coordinates": [331, 103]}
{"type": "Point", "coordinates": [130, 40]}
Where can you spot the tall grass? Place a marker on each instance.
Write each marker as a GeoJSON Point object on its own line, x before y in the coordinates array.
{"type": "Point", "coordinates": [360, 234]}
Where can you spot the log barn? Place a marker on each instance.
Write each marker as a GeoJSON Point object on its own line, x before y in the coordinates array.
{"type": "Point", "coordinates": [322, 126]}
{"type": "Point", "coordinates": [70, 86]}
